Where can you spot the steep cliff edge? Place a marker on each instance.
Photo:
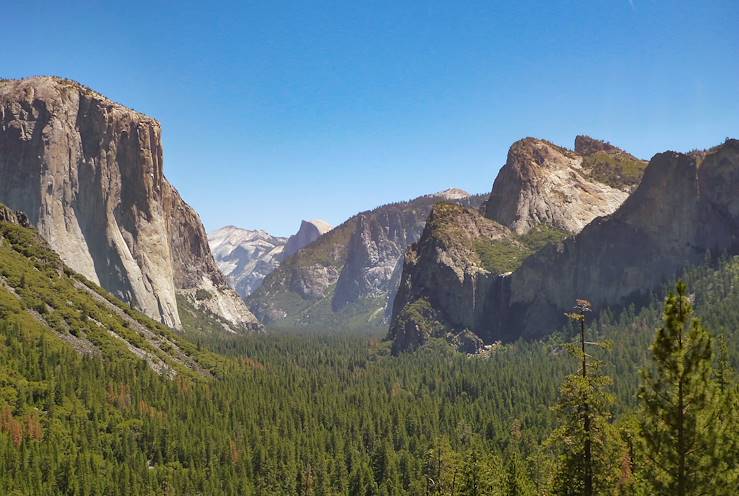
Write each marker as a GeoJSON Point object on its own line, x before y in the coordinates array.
{"type": "Point", "coordinates": [309, 231]}
{"type": "Point", "coordinates": [88, 173]}
{"type": "Point", "coordinates": [684, 210]}
{"type": "Point", "coordinates": [542, 194]}
{"type": "Point", "coordinates": [447, 272]}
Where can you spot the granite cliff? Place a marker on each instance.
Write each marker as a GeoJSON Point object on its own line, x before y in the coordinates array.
{"type": "Point", "coordinates": [542, 183]}
{"type": "Point", "coordinates": [447, 274]}
{"type": "Point", "coordinates": [89, 175]}
{"type": "Point", "coordinates": [453, 277]}
{"type": "Point", "coordinates": [684, 212]}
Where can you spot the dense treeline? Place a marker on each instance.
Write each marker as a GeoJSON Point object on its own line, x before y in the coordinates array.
{"type": "Point", "coordinates": [337, 415]}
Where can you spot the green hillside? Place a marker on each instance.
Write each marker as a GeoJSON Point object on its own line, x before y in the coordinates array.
{"type": "Point", "coordinates": [81, 412]}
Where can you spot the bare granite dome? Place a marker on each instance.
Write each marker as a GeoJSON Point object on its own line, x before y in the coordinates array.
{"type": "Point", "coordinates": [545, 183]}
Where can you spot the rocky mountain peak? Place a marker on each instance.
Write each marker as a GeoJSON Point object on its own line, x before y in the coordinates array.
{"type": "Point", "coordinates": [232, 236]}
{"type": "Point", "coordinates": [684, 209]}
{"type": "Point", "coordinates": [310, 230]}
{"type": "Point", "coordinates": [543, 183]}
{"type": "Point", "coordinates": [246, 256]}
{"type": "Point", "coordinates": [452, 194]}
{"type": "Point", "coordinates": [322, 226]}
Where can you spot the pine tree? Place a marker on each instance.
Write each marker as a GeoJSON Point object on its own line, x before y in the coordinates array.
{"type": "Point", "coordinates": [724, 373]}
{"type": "Point", "coordinates": [678, 422]}
{"type": "Point", "coordinates": [586, 440]}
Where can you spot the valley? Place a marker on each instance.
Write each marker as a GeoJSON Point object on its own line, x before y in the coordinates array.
{"type": "Point", "coordinates": [330, 413]}
{"type": "Point", "coordinates": [565, 325]}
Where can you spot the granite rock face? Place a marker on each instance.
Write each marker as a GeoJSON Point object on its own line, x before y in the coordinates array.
{"type": "Point", "coordinates": [453, 276]}
{"type": "Point", "coordinates": [88, 173]}
{"type": "Point", "coordinates": [374, 249]}
{"type": "Point", "coordinates": [347, 278]}
{"type": "Point", "coordinates": [542, 183]}
{"type": "Point", "coordinates": [684, 208]}
{"type": "Point", "coordinates": [446, 276]}
{"type": "Point", "coordinates": [309, 231]}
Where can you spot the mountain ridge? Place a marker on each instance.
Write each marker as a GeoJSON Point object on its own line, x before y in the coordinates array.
{"type": "Point", "coordinates": [681, 211]}
{"type": "Point", "coordinates": [543, 194]}
{"type": "Point", "coordinates": [247, 256]}
{"type": "Point", "coordinates": [347, 277]}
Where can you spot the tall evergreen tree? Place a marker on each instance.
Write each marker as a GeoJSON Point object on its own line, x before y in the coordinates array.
{"type": "Point", "coordinates": [585, 439]}
{"type": "Point", "coordinates": [678, 412]}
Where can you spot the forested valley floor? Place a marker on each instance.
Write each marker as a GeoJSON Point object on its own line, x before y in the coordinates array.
{"type": "Point", "coordinates": [336, 414]}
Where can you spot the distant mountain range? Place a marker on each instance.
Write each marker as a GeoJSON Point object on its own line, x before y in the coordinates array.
{"type": "Point", "coordinates": [246, 256]}
{"type": "Point", "coordinates": [346, 278]}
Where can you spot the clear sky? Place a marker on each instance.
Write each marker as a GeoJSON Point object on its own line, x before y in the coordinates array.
{"type": "Point", "coordinates": [276, 111]}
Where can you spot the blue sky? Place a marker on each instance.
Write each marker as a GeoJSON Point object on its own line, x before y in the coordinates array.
{"type": "Point", "coordinates": [276, 111]}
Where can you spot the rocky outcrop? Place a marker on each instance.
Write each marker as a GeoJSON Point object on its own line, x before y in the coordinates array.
{"type": "Point", "coordinates": [89, 174]}
{"type": "Point", "coordinates": [13, 216]}
{"type": "Point", "coordinates": [310, 230]}
{"type": "Point", "coordinates": [684, 209]}
{"type": "Point", "coordinates": [446, 276]}
{"type": "Point", "coordinates": [542, 194]}
{"type": "Point", "coordinates": [245, 256]}
{"type": "Point", "coordinates": [375, 247]}
{"type": "Point", "coordinates": [542, 183]}
{"type": "Point", "coordinates": [585, 145]}
{"type": "Point", "coordinates": [347, 278]}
